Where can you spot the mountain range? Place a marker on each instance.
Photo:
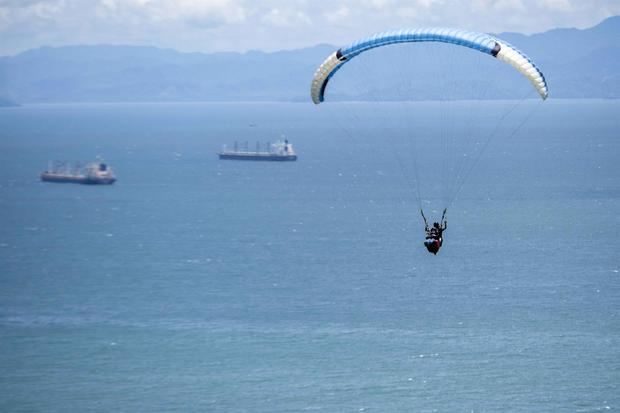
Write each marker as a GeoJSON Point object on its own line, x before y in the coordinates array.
{"type": "Point", "coordinates": [577, 64]}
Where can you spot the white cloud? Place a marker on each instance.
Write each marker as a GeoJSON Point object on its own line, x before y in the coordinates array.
{"type": "Point", "coordinates": [509, 6]}
{"type": "Point", "coordinates": [337, 15]}
{"type": "Point", "coordinates": [558, 5]}
{"type": "Point", "coordinates": [157, 11]}
{"type": "Point", "coordinates": [286, 18]}
{"type": "Point", "coordinates": [217, 11]}
{"type": "Point", "coordinates": [31, 9]}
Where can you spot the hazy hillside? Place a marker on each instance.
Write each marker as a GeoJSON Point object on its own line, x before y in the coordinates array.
{"type": "Point", "coordinates": [576, 63]}
{"type": "Point", "coordinates": [5, 102]}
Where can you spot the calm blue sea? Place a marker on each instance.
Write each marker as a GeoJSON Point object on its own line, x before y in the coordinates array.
{"type": "Point", "coordinates": [194, 284]}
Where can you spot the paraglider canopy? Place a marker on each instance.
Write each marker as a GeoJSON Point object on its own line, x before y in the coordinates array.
{"type": "Point", "coordinates": [478, 41]}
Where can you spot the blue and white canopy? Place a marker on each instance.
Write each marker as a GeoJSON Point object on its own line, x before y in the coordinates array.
{"type": "Point", "coordinates": [478, 41]}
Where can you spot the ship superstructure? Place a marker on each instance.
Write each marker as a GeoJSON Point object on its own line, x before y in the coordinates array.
{"type": "Point", "coordinates": [95, 173]}
{"type": "Point", "coordinates": [278, 151]}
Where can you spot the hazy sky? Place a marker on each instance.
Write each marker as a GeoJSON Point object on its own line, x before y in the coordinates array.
{"type": "Point", "coordinates": [239, 25]}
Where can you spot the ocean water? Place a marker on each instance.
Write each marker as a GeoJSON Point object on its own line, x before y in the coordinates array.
{"type": "Point", "coordinates": [194, 284]}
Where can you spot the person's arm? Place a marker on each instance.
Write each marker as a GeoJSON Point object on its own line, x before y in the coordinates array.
{"type": "Point", "coordinates": [444, 221]}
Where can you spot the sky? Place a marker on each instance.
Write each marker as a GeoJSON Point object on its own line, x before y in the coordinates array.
{"type": "Point", "coordinates": [270, 25]}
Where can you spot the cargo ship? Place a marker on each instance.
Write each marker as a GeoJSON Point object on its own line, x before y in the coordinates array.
{"type": "Point", "coordinates": [279, 151]}
{"type": "Point", "coordinates": [95, 173]}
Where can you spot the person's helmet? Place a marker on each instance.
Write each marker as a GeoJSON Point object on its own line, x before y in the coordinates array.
{"type": "Point", "coordinates": [436, 224]}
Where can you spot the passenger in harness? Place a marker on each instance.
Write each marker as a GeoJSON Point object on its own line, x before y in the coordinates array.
{"type": "Point", "coordinates": [434, 235]}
